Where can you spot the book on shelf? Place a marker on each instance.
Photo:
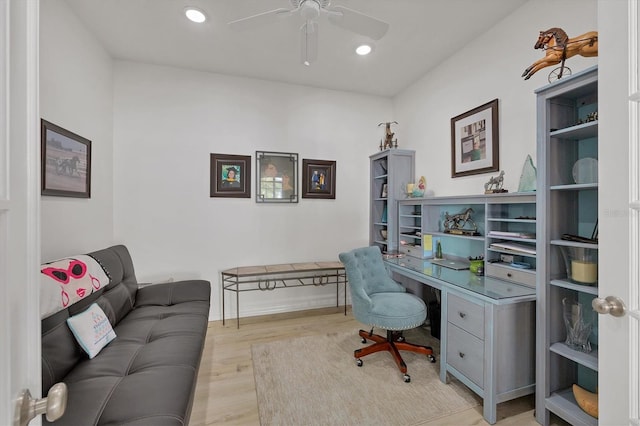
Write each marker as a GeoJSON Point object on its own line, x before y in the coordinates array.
{"type": "Point", "coordinates": [509, 234]}
{"type": "Point", "coordinates": [514, 247]}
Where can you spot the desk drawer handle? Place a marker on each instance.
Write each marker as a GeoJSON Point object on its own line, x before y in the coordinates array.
{"type": "Point", "coordinates": [462, 314]}
{"type": "Point", "coordinates": [509, 274]}
{"type": "Point", "coordinates": [461, 354]}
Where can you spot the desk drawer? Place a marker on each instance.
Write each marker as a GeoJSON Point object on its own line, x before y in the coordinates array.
{"type": "Point", "coordinates": [526, 277]}
{"type": "Point", "coordinates": [465, 353]}
{"type": "Point", "coordinates": [412, 250]}
{"type": "Point", "coordinates": [466, 315]}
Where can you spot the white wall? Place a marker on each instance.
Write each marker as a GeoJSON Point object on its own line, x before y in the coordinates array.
{"type": "Point", "coordinates": [486, 69]}
{"type": "Point", "coordinates": [76, 93]}
{"type": "Point", "coordinates": [167, 122]}
{"type": "Point", "coordinates": [150, 185]}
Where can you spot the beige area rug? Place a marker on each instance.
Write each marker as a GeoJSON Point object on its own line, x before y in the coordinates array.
{"type": "Point", "coordinates": [315, 381]}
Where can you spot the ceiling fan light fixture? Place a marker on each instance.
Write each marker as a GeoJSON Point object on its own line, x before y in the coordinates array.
{"type": "Point", "coordinates": [195, 15]}
{"type": "Point", "coordinates": [310, 9]}
{"type": "Point", "coordinates": [364, 49]}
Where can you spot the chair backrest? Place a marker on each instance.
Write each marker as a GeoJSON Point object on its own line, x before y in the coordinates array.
{"type": "Point", "coordinates": [367, 275]}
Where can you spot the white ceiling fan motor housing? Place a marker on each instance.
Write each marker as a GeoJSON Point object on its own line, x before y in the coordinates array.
{"type": "Point", "coordinates": [310, 9]}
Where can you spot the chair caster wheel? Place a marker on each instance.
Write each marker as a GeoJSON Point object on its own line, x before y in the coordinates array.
{"type": "Point", "coordinates": [406, 378]}
{"type": "Point", "coordinates": [431, 358]}
{"type": "Point", "coordinates": [400, 339]}
{"type": "Point", "coordinates": [364, 340]}
{"type": "Point", "coordinates": [359, 362]}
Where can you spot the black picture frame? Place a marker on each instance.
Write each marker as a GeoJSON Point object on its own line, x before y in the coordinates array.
{"type": "Point", "coordinates": [475, 141]}
{"type": "Point", "coordinates": [276, 177]}
{"type": "Point", "coordinates": [384, 191]}
{"type": "Point", "coordinates": [318, 179]}
{"type": "Point", "coordinates": [230, 176]}
{"type": "Point", "coordinates": [65, 162]}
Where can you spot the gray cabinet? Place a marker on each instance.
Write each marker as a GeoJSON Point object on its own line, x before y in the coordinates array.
{"type": "Point", "coordinates": [487, 330]}
{"type": "Point", "coordinates": [390, 172]}
{"type": "Point", "coordinates": [567, 261]}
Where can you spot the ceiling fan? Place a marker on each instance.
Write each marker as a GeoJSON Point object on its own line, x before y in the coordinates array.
{"type": "Point", "coordinates": [309, 11]}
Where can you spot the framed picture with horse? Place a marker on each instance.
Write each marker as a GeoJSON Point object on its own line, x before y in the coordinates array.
{"type": "Point", "coordinates": [474, 141]}
{"type": "Point", "coordinates": [230, 176]}
{"type": "Point", "coordinates": [66, 162]}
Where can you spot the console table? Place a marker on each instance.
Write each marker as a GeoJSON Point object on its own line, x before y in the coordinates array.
{"type": "Point", "coordinates": [487, 330]}
{"type": "Point", "coordinates": [289, 275]}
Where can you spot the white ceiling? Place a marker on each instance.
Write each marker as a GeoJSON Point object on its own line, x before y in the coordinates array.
{"type": "Point", "coordinates": [422, 33]}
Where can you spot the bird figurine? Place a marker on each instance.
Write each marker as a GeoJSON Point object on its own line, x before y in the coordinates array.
{"type": "Point", "coordinates": [418, 190]}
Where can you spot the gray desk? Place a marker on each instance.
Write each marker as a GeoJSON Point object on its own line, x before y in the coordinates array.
{"type": "Point", "coordinates": [487, 330]}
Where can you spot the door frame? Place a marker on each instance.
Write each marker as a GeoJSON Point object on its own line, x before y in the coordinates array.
{"type": "Point", "coordinates": [20, 364]}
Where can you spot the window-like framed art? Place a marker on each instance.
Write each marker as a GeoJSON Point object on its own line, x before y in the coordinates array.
{"type": "Point", "coordinates": [230, 176]}
{"type": "Point", "coordinates": [318, 179]}
{"type": "Point", "coordinates": [276, 177]}
{"type": "Point", "coordinates": [474, 141]}
{"type": "Point", "coordinates": [65, 162]}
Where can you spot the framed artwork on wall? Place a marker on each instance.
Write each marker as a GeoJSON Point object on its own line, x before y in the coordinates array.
{"type": "Point", "coordinates": [65, 162]}
{"type": "Point", "coordinates": [318, 179]}
{"type": "Point", "coordinates": [276, 177]}
{"type": "Point", "coordinates": [230, 176]}
{"type": "Point", "coordinates": [474, 141]}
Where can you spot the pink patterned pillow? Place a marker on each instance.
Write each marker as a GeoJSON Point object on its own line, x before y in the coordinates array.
{"type": "Point", "coordinates": [66, 281]}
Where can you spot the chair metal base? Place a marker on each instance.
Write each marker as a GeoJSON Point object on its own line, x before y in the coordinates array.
{"type": "Point", "coordinates": [391, 344]}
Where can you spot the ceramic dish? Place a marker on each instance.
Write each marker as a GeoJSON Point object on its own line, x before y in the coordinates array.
{"type": "Point", "coordinates": [585, 170]}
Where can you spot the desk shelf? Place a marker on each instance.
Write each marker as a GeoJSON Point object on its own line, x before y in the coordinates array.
{"type": "Point", "coordinates": [500, 213]}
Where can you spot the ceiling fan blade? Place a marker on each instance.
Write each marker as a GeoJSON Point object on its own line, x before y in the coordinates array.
{"type": "Point", "coordinates": [309, 42]}
{"type": "Point", "coordinates": [259, 19]}
{"type": "Point", "coordinates": [357, 22]}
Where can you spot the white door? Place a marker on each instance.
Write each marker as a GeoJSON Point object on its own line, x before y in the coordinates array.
{"type": "Point", "coordinates": [19, 204]}
{"type": "Point", "coordinates": [619, 230]}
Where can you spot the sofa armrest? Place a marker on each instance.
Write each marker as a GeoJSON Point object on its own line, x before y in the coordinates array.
{"type": "Point", "coordinates": [166, 294]}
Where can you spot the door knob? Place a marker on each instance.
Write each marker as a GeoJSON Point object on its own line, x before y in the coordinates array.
{"type": "Point", "coordinates": [53, 406]}
{"type": "Point", "coordinates": [610, 305]}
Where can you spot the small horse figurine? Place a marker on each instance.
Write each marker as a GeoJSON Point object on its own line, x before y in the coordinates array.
{"type": "Point", "coordinates": [559, 47]}
{"type": "Point", "coordinates": [495, 183]}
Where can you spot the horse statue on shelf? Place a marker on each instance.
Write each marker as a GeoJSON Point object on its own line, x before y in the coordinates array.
{"type": "Point", "coordinates": [494, 184]}
{"type": "Point", "coordinates": [459, 221]}
{"type": "Point", "coordinates": [558, 48]}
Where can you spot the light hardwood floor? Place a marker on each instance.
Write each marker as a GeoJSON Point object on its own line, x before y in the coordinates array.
{"type": "Point", "coordinates": [226, 393]}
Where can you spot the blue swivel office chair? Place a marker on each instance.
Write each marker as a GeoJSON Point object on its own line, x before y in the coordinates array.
{"type": "Point", "coordinates": [378, 301]}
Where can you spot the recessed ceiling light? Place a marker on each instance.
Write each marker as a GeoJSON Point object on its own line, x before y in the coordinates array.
{"type": "Point", "coordinates": [195, 15]}
{"type": "Point", "coordinates": [363, 49]}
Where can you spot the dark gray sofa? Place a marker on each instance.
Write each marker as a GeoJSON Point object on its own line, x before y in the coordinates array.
{"type": "Point", "coordinates": [147, 375]}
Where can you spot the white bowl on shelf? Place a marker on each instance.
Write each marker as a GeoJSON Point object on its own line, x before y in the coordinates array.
{"type": "Point", "coordinates": [585, 170]}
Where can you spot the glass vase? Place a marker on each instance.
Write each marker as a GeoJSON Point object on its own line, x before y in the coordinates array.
{"type": "Point", "coordinates": [578, 322]}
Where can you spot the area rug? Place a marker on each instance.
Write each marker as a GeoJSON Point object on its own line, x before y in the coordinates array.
{"type": "Point", "coordinates": [314, 380]}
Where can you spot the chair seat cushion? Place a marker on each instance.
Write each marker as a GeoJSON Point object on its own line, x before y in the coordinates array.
{"type": "Point", "coordinates": [396, 311]}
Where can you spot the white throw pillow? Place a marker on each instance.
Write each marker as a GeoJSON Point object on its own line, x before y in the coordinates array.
{"type": "Point", "coordinates": [92, 329]}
